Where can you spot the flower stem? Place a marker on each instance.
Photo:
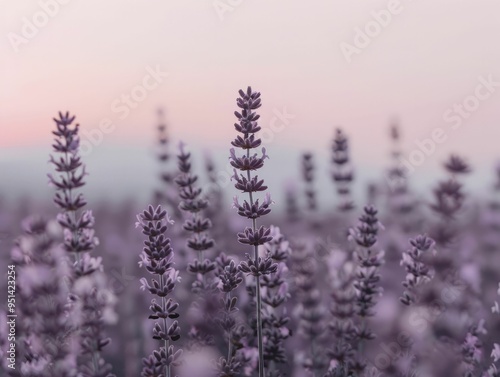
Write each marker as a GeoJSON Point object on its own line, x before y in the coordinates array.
{"type": "Point", "coordinates": [259, 318]}
{"type": "Point", "coordinates": [163, 304]}
{"type": "Point", "coordinates": [258, 295]}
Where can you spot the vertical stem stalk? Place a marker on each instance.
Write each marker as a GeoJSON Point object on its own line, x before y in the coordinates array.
{"type": "Point", "coordinates": [258, 294]}
{"type": "Point", "coordinates": [229, 336]}
{"type": "Point", "coordinates": [165, 328]}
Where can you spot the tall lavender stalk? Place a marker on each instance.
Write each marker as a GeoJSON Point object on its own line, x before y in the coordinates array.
{"type": "Point", "coordinates": [167, 194]}
{"type": "Point", "coordinates": [157, 258]}
{"type": "Point", "coordinates": [396, 172]}
{"type": "Point", "coordinates": [342, 172]}
{"type": "Point", "coordinates": [401, 202]}
{"type": "Point", "coordinates": [448, 203]}
{"type": "Point", "coordinates": [343, 310]}
{"type": "Point", "coordinates": [79, 240]}
{"type": "Point", "coordinates": [229, 280]}
{"type": "Point", "coordinates": [308, 176]}
{"type": "Point", "coordinates": [367, 276]}
{"type": "Point", "coordinates": [448, 200]}
{"type": "Point", "coordinates": [193, 204]}
{"type": "Point", "coordinates": [275, 296]}
{"type": "Point", "coordinates": [310, 310]}
{"type": "Point", "coordinates": [416, 264]}
{"type": "Point", "coordinates": [78, 226]}
{"type": "Point", "coordinates": [200, 242]}
{"type": "Point", "coordinates": [247, 125]}
{"type": "Point", "coordinates": [216, 209]}
{"type": "Point", "coordinates": [41, 277]}
{"type": "Point", "coordinates": [291, 205]}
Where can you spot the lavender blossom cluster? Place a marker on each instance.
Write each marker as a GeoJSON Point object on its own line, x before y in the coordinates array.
{"type": "Point", "coordinates": [401, 283]}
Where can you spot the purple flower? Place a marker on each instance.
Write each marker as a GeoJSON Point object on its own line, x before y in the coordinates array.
{"type": "Point", "coordinates": [79, 239]}
{"type": "Point", "coordinates": [246, 163]}
{"type": "Point", "coordinates": [457, 165]}
{"type": "Point", "coordinates": [157, 258]}
{"type": "Point", "coordinates": [342, 172]}
{"type": "Point", "coordinates": [200, 240]}
{"type": "Point", "coordinates": [418, 271]}
{"type": "Point", "coordinates": [367, 278]}
{"type": "Point", "coordinates": [308, 176]}
{"type": "Point", "coordinates": [44, 333]}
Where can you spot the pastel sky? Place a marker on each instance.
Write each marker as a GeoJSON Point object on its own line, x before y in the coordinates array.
{"type": "Point", "coordinates": [87, 54]}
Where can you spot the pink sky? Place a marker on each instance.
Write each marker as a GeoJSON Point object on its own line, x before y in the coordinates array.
{"type": "Point", "coordinates": [428, 57]}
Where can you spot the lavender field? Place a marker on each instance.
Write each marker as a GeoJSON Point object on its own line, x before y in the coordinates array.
{"type": "Point", "coordinates": [197, 284]}
{"type": "Point", "coordinates": [228, 188]}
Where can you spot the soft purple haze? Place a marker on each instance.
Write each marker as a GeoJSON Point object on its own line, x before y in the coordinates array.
{"type": "Point", "coordinates": [429, 57]}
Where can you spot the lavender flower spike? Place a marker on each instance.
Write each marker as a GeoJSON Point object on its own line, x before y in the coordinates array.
{"type": "Point", "coordinates": [247, 125]}
{"type": "Point", "coordinates": [308, 177]}
{"type": "Point", "coordinates": [157, 258]}
{"type": "Point", "coordinates": [197, 224]}
{"type": "Point", "coordinates": [78, 227]}
{"type": "Point", "coordinates": [229, 280]}
{"type": "Point", "coordinates": [367, 276]}
{"type": "Point", "coordinates": [417, 270]}
{"type": "Point", "coordinates": [168, 192]}
{"type": "Point", "coordinates": [275, 295]}
{"type": "Point", "coordinates": [89, 295]}
{"type": "Point", "coordinates": [44, 331]}
{"type": "Point", "coordinates": [342, 172]}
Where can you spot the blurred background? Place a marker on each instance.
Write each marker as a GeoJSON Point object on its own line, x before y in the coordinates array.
{"type": "Point", "coordinates": [319, 65]}
{"type": "Point", "coordinates": [431, 67]}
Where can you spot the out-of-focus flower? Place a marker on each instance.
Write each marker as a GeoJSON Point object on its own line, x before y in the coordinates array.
{"type": "Point", "coordinates": [457, 165]}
